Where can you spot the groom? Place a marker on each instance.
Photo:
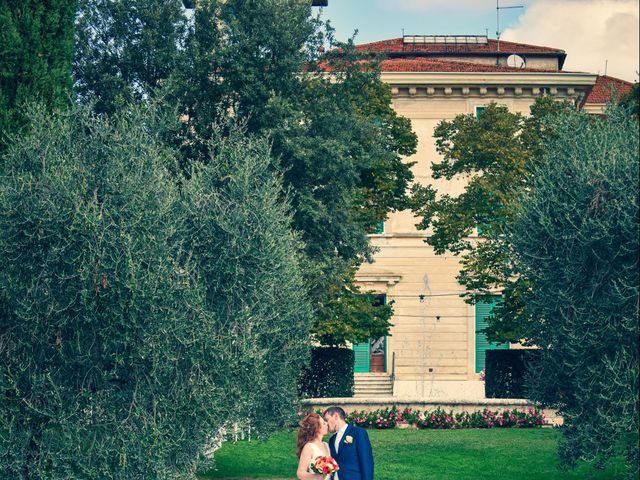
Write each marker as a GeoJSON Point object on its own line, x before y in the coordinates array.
{"type": "Point", "coordinates": [349, 446]}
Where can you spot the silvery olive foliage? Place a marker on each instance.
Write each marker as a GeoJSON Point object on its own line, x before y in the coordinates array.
{"type": "Point", "coordinates": [575, 242]}
{"type": "Point", "coordinates": [138, 316]}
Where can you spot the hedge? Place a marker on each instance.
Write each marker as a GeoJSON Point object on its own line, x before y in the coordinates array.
{"type": "Point", "coordinates": [329, 374]}
{"type": "Point", "coordinates": [439, 418]}
{"type": "Point", "coordinates": [505, 372]}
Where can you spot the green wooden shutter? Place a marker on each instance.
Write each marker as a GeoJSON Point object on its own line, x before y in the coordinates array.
{"type": "Point", "coordinates": [483, 311]}
{"type": "Point", "coordinates": [362, 351]}
{"type": "Point", "coordinates": [362, 361]}
{"type": "Point", "coordinates": [378, 229]}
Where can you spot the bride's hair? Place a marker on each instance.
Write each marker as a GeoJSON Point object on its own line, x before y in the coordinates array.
{"type": "Point", "coordinates": [308, 430]}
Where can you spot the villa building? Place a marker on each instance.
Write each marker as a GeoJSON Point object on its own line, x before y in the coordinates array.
{"type": "Point", "coordinates": [435, 349]}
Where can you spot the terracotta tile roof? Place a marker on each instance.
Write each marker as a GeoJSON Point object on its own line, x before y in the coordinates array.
{"type": "Point", "coordinates": [426, 65]}
{"type": "Point", "coordinates": [433, 65]}
{"type": "Point", "coordinates": [396, 45]}
{"type": "Point", "coordinates": [601, 91]}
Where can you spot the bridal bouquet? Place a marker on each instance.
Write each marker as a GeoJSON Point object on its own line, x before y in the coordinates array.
{"type": "Point", "coordinates": [324, 466]}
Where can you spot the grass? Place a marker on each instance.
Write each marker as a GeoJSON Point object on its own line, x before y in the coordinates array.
{"type": "Point", "coordinates": [499, 454]}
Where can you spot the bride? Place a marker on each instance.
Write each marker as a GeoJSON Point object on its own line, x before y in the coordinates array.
{"type": "Point", "coordinates": [310, 445]}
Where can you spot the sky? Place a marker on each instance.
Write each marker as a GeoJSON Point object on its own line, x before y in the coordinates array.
{"type": "Point", "coordinates": [598, 35]}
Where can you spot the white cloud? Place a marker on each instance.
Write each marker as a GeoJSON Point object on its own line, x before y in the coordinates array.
{"type": "Point", "coordinates": [429, 5]}
{"type": "Point", "coordinates": [590, 31]}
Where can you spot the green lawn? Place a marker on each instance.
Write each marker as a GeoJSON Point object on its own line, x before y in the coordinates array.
{"type": "Point", "coordinates": [520, 454]}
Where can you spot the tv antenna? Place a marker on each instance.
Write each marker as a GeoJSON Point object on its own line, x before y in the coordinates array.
{"type": "Point", "coordinates": [498, 8]}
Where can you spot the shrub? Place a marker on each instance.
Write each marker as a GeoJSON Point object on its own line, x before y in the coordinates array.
{"type": "Point", "coordinates": [410, 416]}
{"type": "Point", "coordinates": [137, 318]}
{"type": "Point", "coordinates": [360, 419]}
{"type": "Point", "coordinates": [438, 419]}
{"type": "Point", "coordinates": [576, 245]}
{"type": "Point", "coordinates": [441, 419]}
{"type": "Point", "coordinates": [506, 371]}
{"type": "Point", "coordinates": [329, 374]}
{"type": "Point", "coordinates": [237, 230]}
{"type": "Point", "coordinates": [387, 418]}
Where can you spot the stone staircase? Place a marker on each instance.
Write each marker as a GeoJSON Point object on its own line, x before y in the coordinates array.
{"type": "Point", "coordinates": [372, 385]}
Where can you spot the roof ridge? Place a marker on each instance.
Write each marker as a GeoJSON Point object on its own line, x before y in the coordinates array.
{"type": "Point", "coordinates": [609, 77]}
{"type": "Point", "coordinates": [491, 41]}
{"type": "Point", "coordinates": [559, 50]}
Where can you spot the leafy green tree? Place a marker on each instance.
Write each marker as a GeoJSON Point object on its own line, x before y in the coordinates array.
{"type": "Point", "coordinates": [339, 143]}
{"type": "Point", "coordinates": [138, 318]}
{"type": "Point", "coordinates": [344, 166]}
{"type": "Point", "coordinates": [496, 154]}
{"type": "Point", "coordinates": [575, 241]}
{"type": "Point", "coordinates": [337, 139]}
{"type": "Point", "coordinates": [631, 100]}
{"type": "Point", "coordinates": [124, 50]}
{"type": "Point", "coordinates": [36, 51]}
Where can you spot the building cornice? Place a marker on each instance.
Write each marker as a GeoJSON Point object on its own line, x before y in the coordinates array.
{"type": "Point", "coordinates": [570, 86]}
{"type": "Point", "coordinates": [489, 78]}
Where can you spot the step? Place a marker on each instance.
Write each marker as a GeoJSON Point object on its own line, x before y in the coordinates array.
{"type": "Point", "coordinates": [372, 390]}
{"type": "Point", "coordinates": [372, 385]}
{"type": "Point", "coordinates": [385, 378]}
{"type": "Point", "coordinates": [385, 386]}
{"type": "Point", "coordinates": [372, 394]}
{"type": "Point", "coordinates": [372, 379]}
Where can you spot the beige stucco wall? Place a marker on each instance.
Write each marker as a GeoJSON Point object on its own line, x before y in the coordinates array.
{"type": "Point", "coordinates": [433, 341]}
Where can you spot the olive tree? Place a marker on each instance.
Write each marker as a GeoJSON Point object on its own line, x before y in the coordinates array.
{"type": "Point", "coordinates": [139, 316]}
{"type": "Point", "coordinates": [575, 242]}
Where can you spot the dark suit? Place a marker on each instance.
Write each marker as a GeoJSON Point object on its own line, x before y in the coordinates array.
{"type": "Point", "coordinates": [355, 459]}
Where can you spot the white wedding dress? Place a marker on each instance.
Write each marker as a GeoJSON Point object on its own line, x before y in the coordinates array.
{"type": "Point", "coordinates": [319, 452]}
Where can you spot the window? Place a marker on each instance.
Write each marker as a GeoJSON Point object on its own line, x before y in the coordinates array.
{"type": "Point", "coordinates": [493, 217]}
{"type": "Point", "coordinates": [484, 221]}
{"type": "Point", "coordinates": [480, 226]}
{"type": "Point", "coordinates": [483, 311]}
{"type": "Point", "coordinates": [479, 111]}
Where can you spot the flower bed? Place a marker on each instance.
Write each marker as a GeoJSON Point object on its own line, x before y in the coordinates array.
{"type": "Point", "coordinates": [441, 419]}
